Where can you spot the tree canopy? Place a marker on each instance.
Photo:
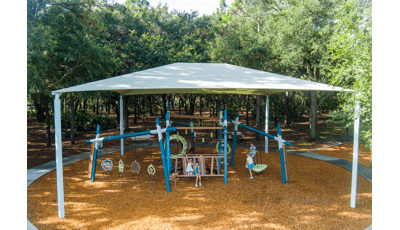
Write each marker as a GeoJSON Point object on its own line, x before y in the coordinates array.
{"type": "Point", "coordinates": [72, 42]}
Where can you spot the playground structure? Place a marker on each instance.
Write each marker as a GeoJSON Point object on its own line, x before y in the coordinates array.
{"type": "Point", "coordinates": [210, 165]}
{"type": "Point", "coordinates": [196, 78]}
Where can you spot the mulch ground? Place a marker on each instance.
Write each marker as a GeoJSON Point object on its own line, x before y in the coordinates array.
{"type": "Point", "coordinates": [317, 196]}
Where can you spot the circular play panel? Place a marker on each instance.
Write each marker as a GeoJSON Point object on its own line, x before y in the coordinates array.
{"type": "Point", "coordinates": [316, 197]}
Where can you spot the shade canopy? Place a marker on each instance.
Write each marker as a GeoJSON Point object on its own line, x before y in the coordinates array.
{"type": "Point", "coordinates": [201, 78]}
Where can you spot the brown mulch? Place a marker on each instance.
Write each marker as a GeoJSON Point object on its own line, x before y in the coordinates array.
{"type": "Point", "coordinates": [317, 197]}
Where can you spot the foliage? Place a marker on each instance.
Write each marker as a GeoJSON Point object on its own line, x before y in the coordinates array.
{"type": "Point", "coordinates": [351, 52]}
{"type": "Point", "coordinates": [31, 113]}
{"type": "Point", "coordinates": [71, 42]}
{"type": "Point", "coordinates": [84, 121]}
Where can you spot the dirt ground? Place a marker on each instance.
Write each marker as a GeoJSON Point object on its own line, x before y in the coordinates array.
{"type": "Point", "coordinates": [317, 196]}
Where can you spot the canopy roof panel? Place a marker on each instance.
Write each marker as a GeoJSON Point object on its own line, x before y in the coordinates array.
{"type": "Point", "coordinates": [204, 78]}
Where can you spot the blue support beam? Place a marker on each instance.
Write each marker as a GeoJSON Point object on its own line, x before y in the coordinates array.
{"type": "Point", "coordinates": [167, 147]}
{"type": "Point", "coordinates": [283, 171]}
{"type": "Point", "coordinates": [160, 140]}
{"type": "Point", "coordinates": [220, 138]}
{"type": "Point", "coordinates": [259, 132]}
{"type": "Point", "coordinates": [92, 178]}
{"type": "Point", "coordinates": [225, 148]}
{"type": "Point", "coordinates": [172, 129]}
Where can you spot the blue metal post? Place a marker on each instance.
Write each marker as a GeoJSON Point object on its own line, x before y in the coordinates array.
{"type": "Point", "coordinates": [220, 137]}
{"type": "Point", "coordinates": [225, 148]}
{"type": "Point", "coordinates": [95, 154]}
{"type": "Point", "coordinates": [167, 147]}
{"type": "Point", "coordinates": [280, 144]}
{"type": "Point", "coordinates": [121, 122]}
{"type": "Point", "coordinates": [234, 139]}
{"type": "Point", "coordinates": [160, 140]}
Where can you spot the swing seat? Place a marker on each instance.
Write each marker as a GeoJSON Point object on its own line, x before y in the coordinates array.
{"type": "Point", "coordinates": [173, 176]}
{"type": "Point", "coordinates": [258, 168]}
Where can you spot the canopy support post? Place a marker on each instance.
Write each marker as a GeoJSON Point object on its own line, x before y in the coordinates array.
{"type": "Point", "coordinates": [266, 121]}
{"type": "Point", "coordinates": [220, 138]}
{"type": "Point", "coordinates": [355, 156]}
{"type": "Point", "coordinates": [59, 162]}
{"type": "Point", "coordinates": [225, 148]}
{"type": "Point", "coordinates": [167, 147]}
{"type": "Point", "coordinates": [121, 122]}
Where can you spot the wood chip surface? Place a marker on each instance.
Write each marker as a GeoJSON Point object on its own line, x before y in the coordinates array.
{"type": "Point", "coordinates": [317, 197]}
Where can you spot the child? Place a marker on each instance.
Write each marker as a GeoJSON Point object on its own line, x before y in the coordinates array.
{"type": "Point", "coordinates": [189, 168]}
{"type": "Point", "coordinates": [253, 150]}
{"type": "Point", "coordinates": [197, 174]}
{"type": "Point", "coordinates": [250, 164]}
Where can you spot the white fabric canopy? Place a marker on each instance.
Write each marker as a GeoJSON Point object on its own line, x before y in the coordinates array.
{"type": "Point", "coordinates": [213, 78]}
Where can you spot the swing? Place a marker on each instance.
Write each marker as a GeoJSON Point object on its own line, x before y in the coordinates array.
{"type": "Point", "coordinates": [184, 145]}
{"type": "Point", "coordinates": [120, 169]}
{"type": "Point", "coordinates": [229, 147]}
{"type": "Point", "coordinates": [107, 166]}
{"type": "Point", "coordinates": [135, 167]}
{"type": "Point", "coordinates": [258, 168]}
{"type": "Point", "coordinates": [150, 169]}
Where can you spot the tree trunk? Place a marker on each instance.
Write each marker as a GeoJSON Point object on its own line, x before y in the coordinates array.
{"type": "Point", "coordinates": [72, 115]}
{"type": "Point", "coordinates": [258, 116]}
{"type": "Point", "coordinates": [84, 104]}
{"type": "Point", "coordinates": [150, 105]}
{"type": "Point", "coordinates": [48, 134]}
{"type": "Point", "coordinates": [40, 110]}
{"type": "Point", "coordinates": [313, 104]}
{"type": "Point", "coordinates": [136, 111]}
{"type": "Point", "coordinates": [192, 100]}
{"type": "Point", "coordinates": [179, 102]}
{"type": "Point", "coordinates": [126, 102]}
{"type": "Point", "coordinates": [247, 110]}
{"type": "Point", "coordinates": [288, 97]}
{"type": "Point", "coordinates": [313, 118]}
{"type": "Point", "coordinates": [164, 105]}
{"type": "Point", "coordinates": [201, 105]}
{"type": "Point", "coordinates": [97, 106]}
{"type": "Point", "coordinates": [65, 121]}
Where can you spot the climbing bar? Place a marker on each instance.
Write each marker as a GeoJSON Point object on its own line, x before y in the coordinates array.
{"type": "Point", "coordinates": [178, 128]}
{"type": "Point", "coordinates": [172, 129]}
{"type": "Point", "coordinates": [177, 123]}
{"type": "Point", "coordinates": [194, 117]}
{"type": "Point", "coordinates": [260, 132]}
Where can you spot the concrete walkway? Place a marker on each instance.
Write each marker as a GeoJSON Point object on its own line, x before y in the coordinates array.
{"type": "Point", "coordinates": [35, 173]}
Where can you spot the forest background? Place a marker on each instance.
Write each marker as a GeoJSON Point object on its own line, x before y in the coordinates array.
{"type": "Point", "coordinates": [78, 41]}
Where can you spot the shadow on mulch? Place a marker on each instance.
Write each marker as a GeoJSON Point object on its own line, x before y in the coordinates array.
{"type": "Point", "coordinates": [317, 197]}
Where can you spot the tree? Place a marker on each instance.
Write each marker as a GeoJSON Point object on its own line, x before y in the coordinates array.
{"type": "Point", "coordinates": [65, 48]}
{"type": "Point", "coordinates": [299, 32]}
{"type": "Point", "coordinates": [351, 52]}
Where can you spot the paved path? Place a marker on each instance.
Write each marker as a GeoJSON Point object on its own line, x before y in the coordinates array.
{"type": "Point", "coordinates": [35, 173]}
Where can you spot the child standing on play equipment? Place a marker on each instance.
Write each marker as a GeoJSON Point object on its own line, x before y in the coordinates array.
{"type": "Point", "coordinates": [253, 150]}
{"type": "Point", "coordinates": [189, 168]}
{"type": "Point", "coordinates": [197, 174]}
{"type": "Point", "coordinates": [250, 164]}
